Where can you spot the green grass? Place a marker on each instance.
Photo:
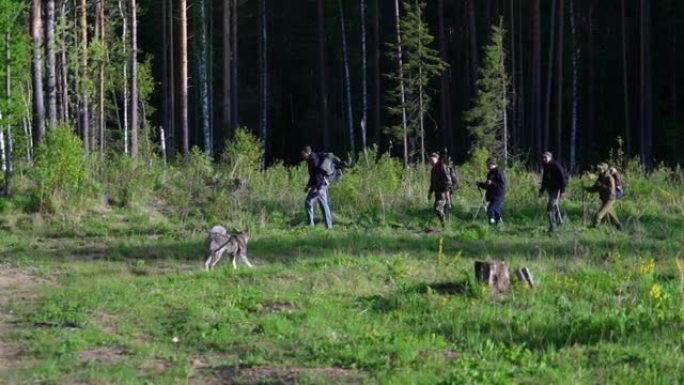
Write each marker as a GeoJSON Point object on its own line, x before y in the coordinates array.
{"type": "Point", "coordinates": [106, 287]}
{"type": "Point", "coordinates": [380, 302]}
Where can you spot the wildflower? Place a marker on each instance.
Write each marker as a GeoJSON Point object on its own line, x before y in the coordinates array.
{"type": "Point", "coordinates": [646, 268]}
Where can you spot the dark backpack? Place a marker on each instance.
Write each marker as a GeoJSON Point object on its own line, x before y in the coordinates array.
{"type": "Point", "coordinates": [329, 166]}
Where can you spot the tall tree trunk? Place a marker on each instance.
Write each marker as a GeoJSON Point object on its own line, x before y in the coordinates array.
{"type": "Point", "coordinates": [124, 39]}
{"type": "Point", "coordinates": [134, 79]}
{"type": "Point", "coordinates": [514, 76]}
{"type": "Point", "coordinates": [675, 80]}
{"type": "Point", "coordinates": [85, 109]}
{"type": "Point", "coordinates": [573, 113]}
{"type": "Point", "coordinates": [400, 65]}
{"type": "Point", "coordinates": [101, 77]}
{"type": "Point", "coordinates": [646, 85]}
{"type": "Point", "coordinates": [227, 64]}
{"type": "Point", "coordinates": [377, 104]}
{"type": "Point", "coordinates": [8, 130]}
{"type": "Point", "coordinates": [445, 81]}
{"type": "Point", "coordinates": [323, 74]}
{"type": "Point", "coordinates": [263, 70]}
{"type": "Point", "coordinates": [421, 94]}
{"type": "Point", "coordinates": [591, 86]}
{"type": "Point", "coordinates": [51, 65]}
{"type": "Point", "coordinates": [559, 81]}
{"type": "Point", "coordinates": [236, 80]}
{"type": "Point", "coordinates": [204, 79]}
{"type": "Point", "coordinates": [536, 80]}
{"type": "Point", "coordinates": [521, 121]}
{"type": "Point", "coordinates": [364, 81]}
{"type": "Point", "coordinates": [347, 82]}
{"type": "Point", "coordinates": [64, 76]}
{"type": "Point", "coordinates": [171, 58]}
{"type": "Point", "coordinates": [473, 47]}
{"type": "Point", "coordinates": [183, 26]}
{"type": "Point", "coordinates": [165, 69]}
{"type": "Point", "coordinates": [625, 86]}
{"type": "Point", "coordinates": [37, 65]}
{"type": "Point", "coordinates": [549, 76]}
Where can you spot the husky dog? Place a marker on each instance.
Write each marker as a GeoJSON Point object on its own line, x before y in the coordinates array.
{"type": "Point", "coordinates": [219, 242]}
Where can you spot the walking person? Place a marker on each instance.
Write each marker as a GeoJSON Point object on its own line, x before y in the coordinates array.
{"type": "Point", "coordinates": [605, 187]}
{"type": "Point", "coordinates": [495, 191]}
{"type": "Point", "coordinates": [554, 182]}
{"type": "Point", "coordinates": [316, 188]}
{"type": "Point", "coordinates": [441, 184]}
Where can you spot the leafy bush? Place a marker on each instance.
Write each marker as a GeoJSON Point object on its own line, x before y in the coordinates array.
{"type": "Point", "coordinates": [59, 165]}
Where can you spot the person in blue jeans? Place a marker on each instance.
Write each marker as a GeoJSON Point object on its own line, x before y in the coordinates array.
{"type": "Point", "coordinates": [317, 188]}
{"type": "Point", "coordinates": [495, 191]}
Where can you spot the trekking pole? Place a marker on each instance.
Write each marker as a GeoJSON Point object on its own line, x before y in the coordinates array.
{"type": "Point", "coordinates": [482, 204]}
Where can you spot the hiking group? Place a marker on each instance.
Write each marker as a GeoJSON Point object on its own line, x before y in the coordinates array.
{"type": "Point", "coordinates": [444, 182]}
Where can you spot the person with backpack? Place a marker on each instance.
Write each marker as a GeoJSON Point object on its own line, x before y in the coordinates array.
{"type": "Point", "coordinates": [441, 185]}
{"type": "Point", "coordinates": [619, 188]}
{"type": "Point", "coordinates": [605, 187]}
{"type": "Point", "coordinates": [317, 187]}
{"type": "Point", "coordinates": [495, 191]}
{"type": "Point", "coordinates": [554, 181]}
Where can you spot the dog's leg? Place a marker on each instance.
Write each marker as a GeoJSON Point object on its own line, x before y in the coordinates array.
{"type": "Point", "coordinates": [243, 256]}
{"type": "Point", "coordinates": [207, 263]}
{"type": "Point", "coordinates": [234, 264]}
{"type": "Point", "coordinates": [217, 257]}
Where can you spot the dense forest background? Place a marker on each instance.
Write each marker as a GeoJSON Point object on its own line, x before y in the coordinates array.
{"type": "Point", "coordinates": [584, 77]}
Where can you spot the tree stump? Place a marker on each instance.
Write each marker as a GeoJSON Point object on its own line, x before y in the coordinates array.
{"type": "Point", "coordinates": [494, 274]}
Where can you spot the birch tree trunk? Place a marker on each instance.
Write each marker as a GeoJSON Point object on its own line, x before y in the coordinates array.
{"type": "Point", "coordinates": [377, 104]}
{"type": "Point", "coordinates": [37, 76]}
{"type": "Point", "coordinates": [134, 79]}
{"type": "Point", "coordinates": [101, 75]}
{"type": "Point", "coordinates": [85, 109]}
{"type": "Point", "coordinates": [64, 114]}
{"type": "Point", "coordinates": [183, 46]}
{"type": "Point", "coordinates": [400, 65]}
{"type": "Point", "coordinates": [323, 74]}
{"type": "Point", "coordinates": [8, 130]}
{"type": "Point", "coordinates": [347, 81]}
{"type": "Point", "coordinates": [421, 108]}
{"type": "Point", "coordinates": [51, 66]}
{"type": "Point", "coordinates": [124, 39]}
{"type": "Point", "coordinates": [204, 80]}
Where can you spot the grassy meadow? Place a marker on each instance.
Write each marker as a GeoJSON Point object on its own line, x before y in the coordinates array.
{"type": "Point", "coordinates": [102, 284]}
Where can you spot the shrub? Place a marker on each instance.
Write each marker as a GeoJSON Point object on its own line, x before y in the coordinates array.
{"type": "Point", "coordinates": [59, 163]}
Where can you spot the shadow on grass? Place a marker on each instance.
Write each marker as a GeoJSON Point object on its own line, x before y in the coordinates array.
{"type": "Point", "coordinates": [304, 243]}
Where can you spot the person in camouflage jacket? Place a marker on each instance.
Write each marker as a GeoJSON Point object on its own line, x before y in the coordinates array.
{"type": "Point", "coordinates": [605, 187]}
{"type": "Point", "coordinates": [441, 185]}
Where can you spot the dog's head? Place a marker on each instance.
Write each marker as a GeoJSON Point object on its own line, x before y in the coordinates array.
{"type": "Point", "coordinates": [218, 230]}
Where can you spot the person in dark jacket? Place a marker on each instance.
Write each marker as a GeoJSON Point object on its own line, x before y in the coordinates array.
{"type": "Point", "coordinates": [554, 181]}
{"type": "Point", "coordinates": [316, 188]}
{"type": "Point", "coordinates": [605, 187]}
{"type": "Point", "coordinates": [495, 191]}
{"type": "Point", "coordinates": [440, 184]}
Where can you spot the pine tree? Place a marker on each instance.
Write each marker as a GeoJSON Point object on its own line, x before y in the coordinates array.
{"type": "Point", "coordinates": [419, 65]}
{"type": "Point", "coordinates": [487, 117]}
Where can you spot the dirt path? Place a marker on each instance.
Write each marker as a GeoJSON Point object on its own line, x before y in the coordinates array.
{"type": "Point", "coordinates": [15, 286]}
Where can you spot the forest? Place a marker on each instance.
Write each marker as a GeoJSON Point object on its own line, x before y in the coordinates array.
{"type": "Point", "coordinates": [130, 130]}
{"type": "Point", "coordinates": [582, 77]}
